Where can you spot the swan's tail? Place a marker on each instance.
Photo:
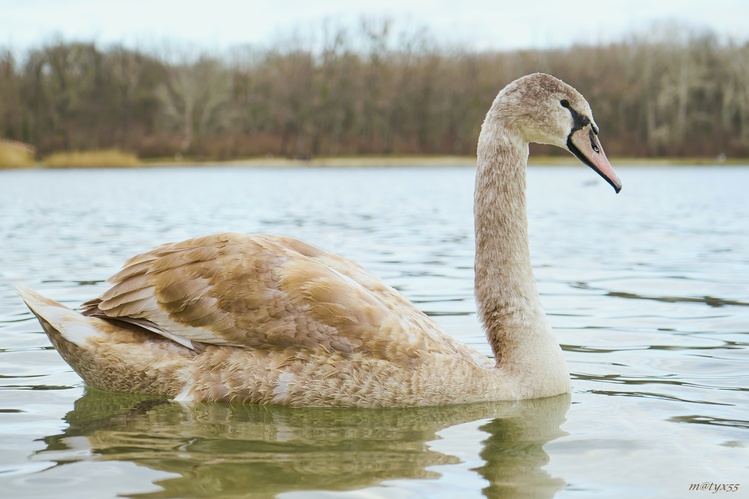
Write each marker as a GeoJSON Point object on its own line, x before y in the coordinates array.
{"type": "Point", "coordinates": [108, 355]}
{"type": "Point", "coordinates": [65, 327]}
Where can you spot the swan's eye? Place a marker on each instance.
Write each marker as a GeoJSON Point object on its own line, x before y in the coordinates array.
{"type": "Point", "coordinates": [593, 144]}
{"type": "Point", "coordinates": [565, 103]}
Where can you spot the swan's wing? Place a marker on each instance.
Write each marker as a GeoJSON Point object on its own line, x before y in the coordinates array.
{"type": "Point", "coordinates": [265, 291]}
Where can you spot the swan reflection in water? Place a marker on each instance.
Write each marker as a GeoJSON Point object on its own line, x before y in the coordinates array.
{"type": "Point", "coordinates": [201, 450]}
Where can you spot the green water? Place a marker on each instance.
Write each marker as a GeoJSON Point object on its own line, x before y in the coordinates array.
{"type": "Point", "coordinates": [153, 448]}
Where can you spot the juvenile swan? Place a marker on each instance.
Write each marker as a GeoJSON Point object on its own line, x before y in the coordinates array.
{"type": "Point", "coordinates": [273, 320]}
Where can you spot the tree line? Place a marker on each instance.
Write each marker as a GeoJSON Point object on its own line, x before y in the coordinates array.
{"type": "Point", "coordinates": [371, 89]}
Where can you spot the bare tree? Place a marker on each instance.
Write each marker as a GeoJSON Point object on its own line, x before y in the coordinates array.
{"type": "Point", "coordinates": [11, 112]}
{"type": "Point", "coordinates": [735, 90]}
{"type": "Point", "coordinates": [195, 99]}
{"type": "Point", "coordinates": [371, 88]}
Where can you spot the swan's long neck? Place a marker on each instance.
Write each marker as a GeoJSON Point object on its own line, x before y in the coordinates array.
{"type": "Point", "coordinates": [508, 302]}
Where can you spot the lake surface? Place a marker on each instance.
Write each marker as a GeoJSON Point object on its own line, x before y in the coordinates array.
{"type": "Point", "coordinates": [648, 292]}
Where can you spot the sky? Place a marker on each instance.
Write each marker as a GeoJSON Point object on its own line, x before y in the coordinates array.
{"type": "Point", "coordinates": [476, 24]}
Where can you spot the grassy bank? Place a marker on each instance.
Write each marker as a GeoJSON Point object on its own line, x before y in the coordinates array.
{"type": "Point", "coordinates": [16, 154]}
{"type": "Point", "coordinates": [363, 161]}
{"type": "Point", "coordinates": [428, 160]}
{"type": "Point", "coordinates": [106, 158]}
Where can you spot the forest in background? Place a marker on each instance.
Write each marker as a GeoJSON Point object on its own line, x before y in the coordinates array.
{"type": "Point", "coordinates": [371, 89]}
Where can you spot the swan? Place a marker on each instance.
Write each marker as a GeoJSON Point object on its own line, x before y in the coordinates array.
{"type": "Point", "coordinates": [273, 320]}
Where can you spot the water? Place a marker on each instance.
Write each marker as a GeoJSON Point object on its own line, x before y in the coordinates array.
{"type": "Point", "coordinates": [647, 290]}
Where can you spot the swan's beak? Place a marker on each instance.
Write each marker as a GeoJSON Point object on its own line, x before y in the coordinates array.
{"type": "Point", "coordinates": [584, 144]}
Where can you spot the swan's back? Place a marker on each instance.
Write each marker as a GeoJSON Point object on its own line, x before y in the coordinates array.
{"type": "Point", "coordinates": [267, 292]}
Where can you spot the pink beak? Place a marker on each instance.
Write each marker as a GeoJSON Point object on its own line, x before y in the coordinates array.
{"type": "Point", "coordinates": [584, 144]}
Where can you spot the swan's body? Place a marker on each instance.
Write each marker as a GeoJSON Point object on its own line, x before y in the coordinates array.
{"type": "Point", "coordinates": [270, 319]}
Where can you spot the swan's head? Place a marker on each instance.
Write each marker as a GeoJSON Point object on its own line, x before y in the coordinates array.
{"type": "Point", "coordinates": [545, 110]}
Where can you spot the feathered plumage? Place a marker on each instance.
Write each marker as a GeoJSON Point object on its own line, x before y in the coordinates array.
{"type": "Point", "coordinates": [271, 319]}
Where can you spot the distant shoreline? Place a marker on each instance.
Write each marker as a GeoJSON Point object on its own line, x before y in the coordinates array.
{"type": "Point", "coordinates": [390, 161]}
{"type": "Point", "coordinates": [397, 161]}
